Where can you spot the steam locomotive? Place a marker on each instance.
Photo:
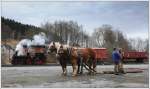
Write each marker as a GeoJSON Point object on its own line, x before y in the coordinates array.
{"type": "Point", "coordinates": [34, 55]}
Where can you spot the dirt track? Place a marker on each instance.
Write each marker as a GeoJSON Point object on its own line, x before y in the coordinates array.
{"type": "Point", "coordinates": [50, 76]}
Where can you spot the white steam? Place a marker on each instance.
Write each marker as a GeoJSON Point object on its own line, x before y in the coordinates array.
{"type": "Point", "coordinates": [38, 39]}
{"type": "Point", "coordinates": [26, 42]}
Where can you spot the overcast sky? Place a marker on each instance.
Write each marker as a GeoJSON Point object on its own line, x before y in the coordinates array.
{"type": "Point", "coordinates": [129, 17]}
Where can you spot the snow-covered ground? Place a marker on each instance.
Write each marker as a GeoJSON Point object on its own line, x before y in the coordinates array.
{"type": "Point", "coordinates": [50, 76]}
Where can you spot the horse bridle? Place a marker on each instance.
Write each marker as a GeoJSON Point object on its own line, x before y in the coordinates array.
{"type": "Point", "coordinates": [53, 49]}
{"type": "Point", "coordinates": [68, 51]}
{"type": "Point", "coordinates": [61, 50]}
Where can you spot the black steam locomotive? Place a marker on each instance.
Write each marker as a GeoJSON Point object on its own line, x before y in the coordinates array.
{"type": "Point", "coordinates": [35, 55]}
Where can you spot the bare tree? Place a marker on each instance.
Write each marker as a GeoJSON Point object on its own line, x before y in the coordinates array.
{"type": "Point", "coordinates": [66, 30]}
{"type": "Point", "coordinates": [146, 45]}
{"type": "Point", "coordinates": [98, 34]}
{"type": "Point", "coordinates": [121, 41]}
{"type": "Point", "coordinates": [138, 44]}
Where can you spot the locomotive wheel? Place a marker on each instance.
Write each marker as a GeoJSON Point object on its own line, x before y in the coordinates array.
{"type": "Point", "coordinates": [139, 60]}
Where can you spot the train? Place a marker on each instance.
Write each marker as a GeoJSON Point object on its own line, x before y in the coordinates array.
{"type": "Point", "coordinates": [35, 55]}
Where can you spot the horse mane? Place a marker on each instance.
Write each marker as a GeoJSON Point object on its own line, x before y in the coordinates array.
{"type": "Point", "coordinates": [58, 44]}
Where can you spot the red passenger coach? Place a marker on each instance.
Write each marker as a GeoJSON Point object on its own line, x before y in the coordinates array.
{"type": "Point", "coordinates": [101, 54]}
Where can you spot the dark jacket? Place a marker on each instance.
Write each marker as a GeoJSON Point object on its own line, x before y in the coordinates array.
{"type": "Point", "coordinates": [116, 56]}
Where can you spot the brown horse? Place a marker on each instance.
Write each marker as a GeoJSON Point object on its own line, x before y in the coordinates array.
{"type": "Point", "coordinates": [65, 53]}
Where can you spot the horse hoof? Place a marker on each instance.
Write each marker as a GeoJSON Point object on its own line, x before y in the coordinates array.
{"type": "Point", "coordinates": [81, 72]}
{"type": "Point", "coordinates": [73, 75]}
{"type": "Point", "coordinates": [95, 73]}
{"type": "Point", "coordinates": [91, 73]}
{"type": "Point", "coordinates": [78, 72]}
{"type": "Point", "coordinates": [64, 74]}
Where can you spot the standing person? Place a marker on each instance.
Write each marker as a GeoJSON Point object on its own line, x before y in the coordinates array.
{"type": "Point", "coordinates": [116, 59]}
{"type": "Point", "coordinates": [121, 69]}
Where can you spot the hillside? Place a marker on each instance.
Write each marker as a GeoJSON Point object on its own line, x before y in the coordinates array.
{"type": "Point", "coordinates": [15, 30]}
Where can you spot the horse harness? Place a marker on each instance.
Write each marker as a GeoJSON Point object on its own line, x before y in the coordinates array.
{"type": "Point", "coordinates": [68, 52]}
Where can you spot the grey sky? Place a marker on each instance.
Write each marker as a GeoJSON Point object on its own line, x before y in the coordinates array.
{"type": "Point", "coordinates": [129, 17]}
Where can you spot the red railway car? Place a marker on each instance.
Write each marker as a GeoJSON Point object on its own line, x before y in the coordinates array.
{"type": "Point", "coordinates": [101, 54]}
{"type": "Point", "coordinates": [135, 55]}
{"type": "Point", "coordinates": [138, 56]}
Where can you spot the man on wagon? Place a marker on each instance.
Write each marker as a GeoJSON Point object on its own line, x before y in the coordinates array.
{"type": "Point", "coordinates": [116, 59]}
